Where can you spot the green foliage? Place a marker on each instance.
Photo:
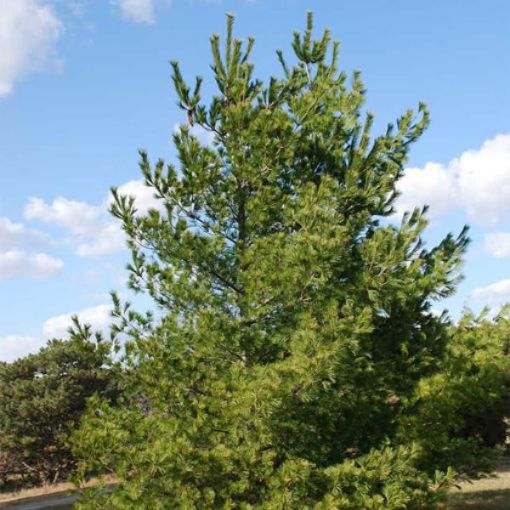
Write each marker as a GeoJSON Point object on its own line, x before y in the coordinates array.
{"type": "Point", "coordinates": [294, 329]}
{"type": "Point", "coordinates": [384, 478]}
{"type": "Point", "coordinates": [42, 397]}
{"type": "Point", "coordinates": [458, 414]}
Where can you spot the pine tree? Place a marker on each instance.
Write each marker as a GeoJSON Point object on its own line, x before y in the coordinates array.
{"type": "Point", "coordinates": [42, 397]}
{"type": "Point", "coordinates": [293, 321]}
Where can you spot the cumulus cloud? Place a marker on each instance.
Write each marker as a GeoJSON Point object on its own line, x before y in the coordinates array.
{"type": "Point", "coordinates": [110, 239]}
{"type": "Point", "coordinates": [13, 347]}
{"type": "Point", "coordinates": [478, 181]}
{"type": "Point", "coordinates": [18, 235]}
{"type": "Point", "coordinates": [99, 317]}
{"type": "Point", "coordinates": [76, 216]}
{"type": "Point", "coordinates": [143, 11]}
{"type": "Point", "coordinates": [10, 233]}
{"type": "Point", "coordinates": [19, 264]}
{"type": "Point", "coordinates": [15, 261]}
{"type": "Point", "coordinates": [90, 228]}
{"type": "Point", "coordinates": [16, 346]}
{"type": "Point", "coordinates": [77, 7]}
{"type": "Point", "coordinates": [29, 30]}
{"type": "Point", "coordinates": [431, 185]}
{"type": "Point", "coordinates": [139, 11]}
{"type": "Point", "coordinates": [498, 291]}
{"type": "Point", "coordinates": [91, 231]}
{"type": "Point", "coordinates": [143, 195]}
{"type": "Point", "coordinates": [498, 244]}
{"type": "Point", "coordinates": [205, 137]}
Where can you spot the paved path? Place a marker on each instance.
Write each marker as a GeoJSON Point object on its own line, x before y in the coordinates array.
{"type": "Point", "coordinates": [57, 501]}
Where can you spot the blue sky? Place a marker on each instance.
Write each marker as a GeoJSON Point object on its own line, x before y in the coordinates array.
{"type": "Point", "coordinates": [85, 83]}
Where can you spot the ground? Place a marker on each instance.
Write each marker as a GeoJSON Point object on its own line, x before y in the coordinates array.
{"type": "Point", "coordinates": [486, 494]}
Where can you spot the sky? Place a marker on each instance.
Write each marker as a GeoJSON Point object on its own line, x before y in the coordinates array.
{"type": "Point", "coordinates": [85, 83]}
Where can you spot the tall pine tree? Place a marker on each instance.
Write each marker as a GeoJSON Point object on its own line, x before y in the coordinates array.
{"type": "Point", "coordinates": [294, 322]}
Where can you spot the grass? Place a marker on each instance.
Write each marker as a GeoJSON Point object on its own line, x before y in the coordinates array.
{"type": "Point", "coordinates": [483, 500]}
{"type": "Point", "coordinates": [45, 490]}
{"type": "Point", "coordinates": [36, 493]}
{"type": "Point", "coordinates": [485, 494]}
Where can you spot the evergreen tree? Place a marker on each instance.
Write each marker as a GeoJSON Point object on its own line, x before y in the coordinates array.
{"type": "Point", "coordinates": [42, 397]}
{"type": "Point", "coordinates": [460, 413]}
{"type": "Point", "coordinates": [294, 321]}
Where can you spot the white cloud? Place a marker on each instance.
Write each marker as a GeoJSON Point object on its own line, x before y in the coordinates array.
{"type": "Point", "coordinates": [13, 347]}
{"type": "Point", "coordinates": [498, 244]}
{"type": "Point", "coordinates": [99, 317]}
{"type": "Point", "coordinates": [15, 261]}
{"type": "Point", "coordinates": [432, 185]}
{"type": "Point", "coordinates": [484, 179]}
{"type": "Point", "coordinates": [498, 291]}
{"type": "Point", "coordinates": [139, 11]}
{"type": "Point", "coordinates": [29, 30]}
{"type": "Point", "coordinates": [78, 217]}
{"type": "Point", "coordinates": [143, 11]}
{"type": "Point", "coordinates": [10, 233]}
{"type": "Point", "coordinates": [205, 137]}
{"type": "Point", "coordinates": [478, 181]}
{"type": "Point", "coordinates": [110, 239]}
{"type": "Point", "coordinates": [77, 7]}
{"type": "Point", "coordinates": [92, 231]}
{"type": "Point", "coordinates": [144, 195]}
{"type": "Point", "coordinates": [19, 264]}
{"type": "Point", "coordinates": [18, 235]}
